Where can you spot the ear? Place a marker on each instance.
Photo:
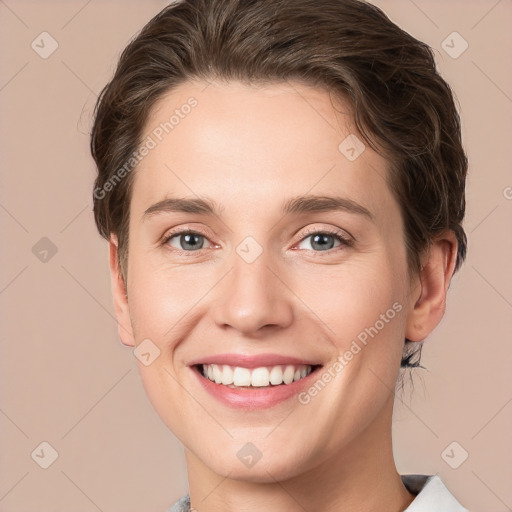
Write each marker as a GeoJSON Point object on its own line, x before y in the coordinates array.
{"type": "Point", "coordinates": [124, 326]}
{"type": "Point", "coordinates": [434, 280]}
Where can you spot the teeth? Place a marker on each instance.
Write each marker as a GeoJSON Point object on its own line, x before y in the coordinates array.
{"type": "Point", "coordinates": [237, 376]}
{"type": "Point", "coordinates": [276, 375]}
{"type": "Point", "coordinates": [260, 377]}
{"type": "Point", "coordinates": [241, 376]}
{"type": "Point", "coordinates": [226, 374]}
{"type": "Point", "coordinates": [217, 374]}
{"type": "Point", "coordinates": [288, 374]}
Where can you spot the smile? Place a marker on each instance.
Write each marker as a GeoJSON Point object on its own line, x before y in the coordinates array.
{"type": "Point", "coordinates": [264, 376]}
{"type": "Point", "coordinates": [255, 388]}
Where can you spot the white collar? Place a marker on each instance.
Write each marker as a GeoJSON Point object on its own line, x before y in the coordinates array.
{"type": "Point", "coordinates": [431, 494]}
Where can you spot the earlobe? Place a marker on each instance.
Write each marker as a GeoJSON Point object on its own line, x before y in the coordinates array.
{"type": "Point", "coordinates": [119, 296]}
{"type": "Point", "coordinates": [434, 280]}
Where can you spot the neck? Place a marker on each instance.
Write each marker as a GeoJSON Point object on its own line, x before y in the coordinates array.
{"type": "Point", "coordinates": [361, 477]}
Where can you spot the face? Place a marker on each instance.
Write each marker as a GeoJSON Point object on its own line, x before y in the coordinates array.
{"type": "Point", "coordinates": [301, 264]}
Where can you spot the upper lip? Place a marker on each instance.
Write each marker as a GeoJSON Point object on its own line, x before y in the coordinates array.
{"type": "Point", "coordinates": [252, 361]}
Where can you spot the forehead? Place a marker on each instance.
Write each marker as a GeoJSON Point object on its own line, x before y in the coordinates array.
{"type": "Point", "coordinates": [256, 144]}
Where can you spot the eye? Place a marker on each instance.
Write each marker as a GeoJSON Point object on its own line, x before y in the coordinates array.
{"type": "Point", "coordinates": [188, 241]}
{"type": "Point", "coordinates": [185, 241]}
{"type": "Point", "coordinates": [323, 241]}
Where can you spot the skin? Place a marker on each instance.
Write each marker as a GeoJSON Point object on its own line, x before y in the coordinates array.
{"type": "Point", "coordinates": [251, 148]}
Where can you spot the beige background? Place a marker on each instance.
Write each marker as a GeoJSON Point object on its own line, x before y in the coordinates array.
{"type": "Point", "coordinates": [65, 377]}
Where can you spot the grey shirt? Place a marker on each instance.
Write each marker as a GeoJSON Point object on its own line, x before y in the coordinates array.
{"type": "Point", "coordinates": [431, 495]}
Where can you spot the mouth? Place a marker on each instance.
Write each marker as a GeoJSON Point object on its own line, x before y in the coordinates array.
{"type": "Point", "coordinates": [239, 377]}
{"type": "Point", "coordinates": [254, 381]}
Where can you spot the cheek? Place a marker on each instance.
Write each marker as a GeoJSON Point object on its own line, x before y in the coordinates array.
{"type": "Point", "coordinates": [152, 306]}
{"type": "Point", "coordinates": [359, 306]}
{"type": "Point", "coordinates": [160, 298]}
{"type": "Point", "coordinates": [353, 296]}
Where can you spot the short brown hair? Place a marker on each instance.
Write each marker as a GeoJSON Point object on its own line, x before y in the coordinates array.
{"type": "Point", "coordinates": [402, 107]}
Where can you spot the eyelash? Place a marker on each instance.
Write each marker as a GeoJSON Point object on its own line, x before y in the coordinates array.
{"type": "Point", "coordinates": [338, 235]}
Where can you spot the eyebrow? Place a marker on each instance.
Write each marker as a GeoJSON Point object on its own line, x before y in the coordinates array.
{"type": "Point", "coordinates": [294, 205]}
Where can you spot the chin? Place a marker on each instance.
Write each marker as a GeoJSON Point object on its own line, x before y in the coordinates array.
{"type": "Point", "coordinates": [280, 466]}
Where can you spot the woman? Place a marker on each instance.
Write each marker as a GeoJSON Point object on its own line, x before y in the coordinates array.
{"type": "Point", "coordinates": [282, 187]}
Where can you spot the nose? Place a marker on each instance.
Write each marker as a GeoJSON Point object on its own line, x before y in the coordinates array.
{"type": "Point", "coordinates": [253, 298]}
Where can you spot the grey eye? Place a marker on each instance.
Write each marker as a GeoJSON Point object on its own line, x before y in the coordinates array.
{"type": "Point", "coordinates": [188, 241]}
{"type": "Point", "coordinates": [322, 241]}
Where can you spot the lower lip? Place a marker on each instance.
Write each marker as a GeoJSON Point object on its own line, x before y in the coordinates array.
{"type": "Point", "coordinates": [255, 398]}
